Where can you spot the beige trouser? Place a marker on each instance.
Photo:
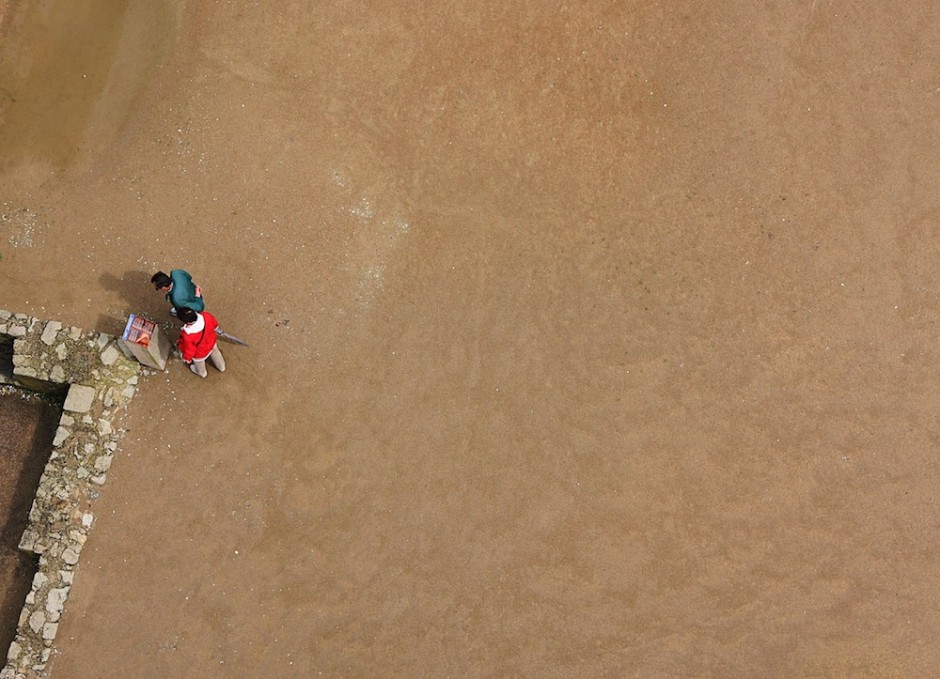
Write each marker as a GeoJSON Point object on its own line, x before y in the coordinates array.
{"type": "Point", "coordinates": [198, 365]}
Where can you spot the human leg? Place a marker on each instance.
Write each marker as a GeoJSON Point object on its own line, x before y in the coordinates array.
{"type": "Point", "coordinates": [199, 367]}
{"type": "Point", "coordinates": [217, 360]}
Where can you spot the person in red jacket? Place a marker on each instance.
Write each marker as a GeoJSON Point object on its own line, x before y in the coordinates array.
{"type": "Point", "coordinates": [197, 341]}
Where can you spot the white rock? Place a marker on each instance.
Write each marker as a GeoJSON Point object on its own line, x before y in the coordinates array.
{"type": "Point", "coordinates": [79, 399]}
{"type": "Point", "coordinates": [50, 331]}
{"type": "Point", "coordinates": [36, 621]}
{"type": "Point", "coordinates": [60, 435]}
{"type": "Point", "coordinates": [110, 355]}
{"type": "Point", "coordinates": [55, 602]}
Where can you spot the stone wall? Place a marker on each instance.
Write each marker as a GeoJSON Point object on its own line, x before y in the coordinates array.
{"type": "Point", "coordinates": [100, 378]}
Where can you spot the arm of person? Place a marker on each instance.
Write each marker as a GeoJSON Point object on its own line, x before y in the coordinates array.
{"type": "Point", "coordinates": [187, 347]}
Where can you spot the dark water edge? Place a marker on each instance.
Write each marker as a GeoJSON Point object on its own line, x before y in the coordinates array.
{"type": "Point", "coordinates": [27, 427]}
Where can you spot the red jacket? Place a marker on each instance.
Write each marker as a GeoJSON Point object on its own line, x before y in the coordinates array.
{"type": "Point", "coordinates": [196, 342]}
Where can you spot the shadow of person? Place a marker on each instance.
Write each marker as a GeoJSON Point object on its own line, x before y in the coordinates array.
{"type": "Point", "coordinates": [111, 324]}
{"type": "Point", "coordinates": [137, 293]}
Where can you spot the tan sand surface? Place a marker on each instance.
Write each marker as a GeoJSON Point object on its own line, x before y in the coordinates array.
{"type": "Point", "coordinates": [590, 339]}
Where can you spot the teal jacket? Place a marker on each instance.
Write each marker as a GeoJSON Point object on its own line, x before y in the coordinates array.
{"type": "Point", "coordinates": [183, 292]}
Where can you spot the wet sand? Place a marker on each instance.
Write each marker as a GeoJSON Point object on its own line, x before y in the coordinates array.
{"type": "Point", "coordinates": [586, 340]}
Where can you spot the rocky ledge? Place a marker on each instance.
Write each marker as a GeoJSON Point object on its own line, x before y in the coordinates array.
{"type": "Point", "coordinates": [98, 377]}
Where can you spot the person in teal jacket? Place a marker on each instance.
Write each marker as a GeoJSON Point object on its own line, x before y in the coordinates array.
{"type": "Point", "coordinates": [180, 290]}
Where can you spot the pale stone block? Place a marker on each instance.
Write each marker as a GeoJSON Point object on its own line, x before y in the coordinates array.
{"type": "Point", "coordinates": [55, 602]}
{"type": "Point", "coordinates": [49, 332]}
{"type": "Point", "coordinates": [60, 435]}
{"type": "Point", "coordinates": [79, 399]}
{"type": "Point", "coordinates": [28, 541]}
{"type": "Point", "coordinates": [70, 555]}
{"type": "Point", "coordinates": [37, 620]}
{"type": "Point", "coordinates": [110, 355]}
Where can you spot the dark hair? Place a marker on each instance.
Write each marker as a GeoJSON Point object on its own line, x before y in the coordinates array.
{"type": "Point", "coordinates": [186, 314]}
{"type": "Point", "coordinates": [160, 280]}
